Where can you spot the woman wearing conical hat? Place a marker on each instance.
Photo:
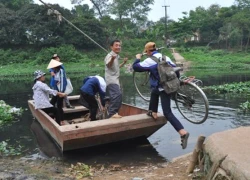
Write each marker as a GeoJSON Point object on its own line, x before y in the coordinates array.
{"type": "Point", "coordinates": [60, 82]}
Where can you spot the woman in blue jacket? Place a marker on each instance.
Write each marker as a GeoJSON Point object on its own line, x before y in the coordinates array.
{"type": "Point", "coordinates": [59, 84]}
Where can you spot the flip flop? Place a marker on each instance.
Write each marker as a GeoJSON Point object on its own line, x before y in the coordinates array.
{"type": "Point", "coordinates": [150, 113]}
{"type": "Point", "coordinates": [184, 140]}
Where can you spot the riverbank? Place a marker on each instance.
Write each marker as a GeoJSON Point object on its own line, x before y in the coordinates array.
{"type": "Point", "coordinates": [25, 168]}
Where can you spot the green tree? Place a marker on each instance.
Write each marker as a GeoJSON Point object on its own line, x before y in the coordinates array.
{"type": "Point", "coordinates": [83, 11]}
{"type": "Point", "coordinates": [92, 27]}
{"type": "Point", "coordinates": [101, 7]}
{"type": "Point", "coordinates": [15, 4]}
{"type": "Point", "coordinates": [11, 29]}
{"type": "Point", "coordinates": [135, 10]}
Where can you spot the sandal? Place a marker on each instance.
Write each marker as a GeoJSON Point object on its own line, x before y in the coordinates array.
{"type": "Point", "coordinates": [150, 113]}
{"type": "Point", "coordinates": [184, 140]}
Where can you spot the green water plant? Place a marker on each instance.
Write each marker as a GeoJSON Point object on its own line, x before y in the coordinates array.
{"type": "Point", "coordinates": [234, 88]}
{"type": "Point", "coordinates": [8, 150]}
{"type": "Point", "coordinates": [241, 87]}
{"type": "Point", "coordinates": [8, 113]}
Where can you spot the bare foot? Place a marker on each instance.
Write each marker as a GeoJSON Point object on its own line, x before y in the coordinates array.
{"type": "Point", "coordinates": [116, 116]}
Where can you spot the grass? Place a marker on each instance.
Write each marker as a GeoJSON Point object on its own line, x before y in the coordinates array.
{"type": "Point", "coordinates": [205, 58]}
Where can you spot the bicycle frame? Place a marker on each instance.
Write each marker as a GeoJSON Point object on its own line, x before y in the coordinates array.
{"type": "Point", "coordinates": [102, 113]}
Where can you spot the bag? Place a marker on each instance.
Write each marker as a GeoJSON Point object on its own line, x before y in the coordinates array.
{"type": "Point", "coordinates": [168, 78]}
{"type": "Point", "coordinates": [69, 87]}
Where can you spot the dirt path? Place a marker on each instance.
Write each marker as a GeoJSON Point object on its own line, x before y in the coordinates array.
{"type": "Point", "coordinates": [180, 61]}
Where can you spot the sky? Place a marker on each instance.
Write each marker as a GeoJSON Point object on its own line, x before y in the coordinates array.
{"type": "Point", "coordinates": [174, 11]}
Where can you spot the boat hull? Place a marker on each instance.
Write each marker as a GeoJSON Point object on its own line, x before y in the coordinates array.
{"type": "Point", "coordinates": [134, 123]}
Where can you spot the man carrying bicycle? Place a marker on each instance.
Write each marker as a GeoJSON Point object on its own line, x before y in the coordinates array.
{"type": "Point", "coordinates": [157, 91]}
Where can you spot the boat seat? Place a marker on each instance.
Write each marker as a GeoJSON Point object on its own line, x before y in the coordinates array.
{"type": "Point", "coordinates": [76, 109]}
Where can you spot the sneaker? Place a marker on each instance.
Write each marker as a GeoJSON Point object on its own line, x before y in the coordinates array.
{"type": "Point", "coordinates": [69, 106]}
{"type": "Point", "coordinates": [184, 140]}
{"type": "Point", "coordinates": [116, 116]}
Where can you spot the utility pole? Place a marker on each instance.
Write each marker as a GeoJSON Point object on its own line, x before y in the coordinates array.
{"type": "Point", "coordinates": [166, 21]}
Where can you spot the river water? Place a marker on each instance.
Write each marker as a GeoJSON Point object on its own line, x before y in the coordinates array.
{"type": "Point", "coordinates": [160, 147]}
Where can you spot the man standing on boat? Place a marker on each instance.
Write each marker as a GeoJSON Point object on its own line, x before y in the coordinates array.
{"type": "Point", "coordinates": [112, 74]}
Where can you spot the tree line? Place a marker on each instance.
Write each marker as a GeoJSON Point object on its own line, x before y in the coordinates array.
{"type": "Point", "coordinates": [25, 24]}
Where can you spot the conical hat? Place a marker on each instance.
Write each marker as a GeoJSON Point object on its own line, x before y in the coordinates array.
{"type": "Point", "coordinates": [54, 63]}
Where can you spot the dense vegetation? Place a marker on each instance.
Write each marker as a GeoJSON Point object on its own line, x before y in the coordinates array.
{"type": "Point", "coordinates": [28, 26]}
{"type": "Point", "coordinates": [29, 36]}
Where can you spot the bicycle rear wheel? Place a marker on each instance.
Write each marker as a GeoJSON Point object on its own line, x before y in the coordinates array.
{"type": "Point", "coordinates": [141, 82]}
{"type": "Point", "coordinates": [192, 103]}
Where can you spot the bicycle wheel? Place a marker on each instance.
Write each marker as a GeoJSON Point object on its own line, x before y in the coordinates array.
{"type": "Point", "coordinates": [141, 82]}
{"type": "Point", "coordinates": [192, 103]}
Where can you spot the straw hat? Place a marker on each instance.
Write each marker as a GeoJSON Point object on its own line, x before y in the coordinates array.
{"type": "Point", "coordinates": [54, 63]}
{"type": "Point", "coordinates": [149, 46]}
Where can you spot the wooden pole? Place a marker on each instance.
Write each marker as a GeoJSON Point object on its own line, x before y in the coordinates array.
{"type": "Point", "coordinates": [197, 150]}
{"type": "Point", "coordinates": [214, 168]}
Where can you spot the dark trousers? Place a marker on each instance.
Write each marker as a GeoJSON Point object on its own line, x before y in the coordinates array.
{"type": "Point", "coordinates": [91, 104]}
{"type": "Point", "coordinates": [58, 102]}
{"type": "Point", "coordinates": [166, 107]}
{"type": "Point", "coordinates": [56, 112]}
{"type": "Point", "coordinates": [115, 95]}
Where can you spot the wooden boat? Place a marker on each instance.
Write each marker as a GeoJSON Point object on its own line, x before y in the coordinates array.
{"type": "Point", "coordinates": [134, 123]}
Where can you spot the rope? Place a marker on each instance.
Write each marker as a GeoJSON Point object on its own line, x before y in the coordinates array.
{"type": "Point", "coordinates": [60, 17]}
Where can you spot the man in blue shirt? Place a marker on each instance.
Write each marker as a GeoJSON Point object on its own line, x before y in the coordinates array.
{"type": "Point", "coordinates": [91, 86]}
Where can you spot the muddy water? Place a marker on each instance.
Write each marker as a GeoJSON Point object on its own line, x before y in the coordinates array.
{"type": "Point", "coordinates": [161, 146]}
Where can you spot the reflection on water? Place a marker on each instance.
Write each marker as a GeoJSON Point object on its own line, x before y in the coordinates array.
{"type": "Point", "coordinates": [138, 151]}
{"type": "Point", "coordinates": [45, 143]}
{"type": "Point", "coordinates": [162, 145]}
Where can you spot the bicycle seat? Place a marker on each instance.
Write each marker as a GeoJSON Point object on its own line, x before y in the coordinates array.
{"type": "Point", "coordinates": [177, 69]}
{"type": "Point", "coordinates": [106, 98]}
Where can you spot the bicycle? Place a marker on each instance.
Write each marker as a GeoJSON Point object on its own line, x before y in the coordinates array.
{"type": "Point", "coordinates": [102, 113]}
{"type": "Point", "coordinates": [190, 100]}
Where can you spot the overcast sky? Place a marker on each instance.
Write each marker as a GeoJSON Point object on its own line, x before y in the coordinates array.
{"type": "Point", "coordinates": [174, 11]}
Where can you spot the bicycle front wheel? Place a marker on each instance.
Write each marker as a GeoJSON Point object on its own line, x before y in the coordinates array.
{"type": "Point", "coordinates": [192, 103]}
{"type": "Point", "coordinates": [141, 83]}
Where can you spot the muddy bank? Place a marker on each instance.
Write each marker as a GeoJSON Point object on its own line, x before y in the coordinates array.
{"type": "Point", "coordinates": [28, 169]}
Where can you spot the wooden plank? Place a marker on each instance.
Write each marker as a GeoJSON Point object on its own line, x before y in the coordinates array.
{"type": "Point", "coordinates": [76, 109]}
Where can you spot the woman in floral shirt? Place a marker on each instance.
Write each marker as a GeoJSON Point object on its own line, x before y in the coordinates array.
{"type": "Point", "coordinates": [41, 96]}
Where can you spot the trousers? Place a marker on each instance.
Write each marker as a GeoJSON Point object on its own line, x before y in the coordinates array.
{"type": "Point", "coordinates": [166, 107]}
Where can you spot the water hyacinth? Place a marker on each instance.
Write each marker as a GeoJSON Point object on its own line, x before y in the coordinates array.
{"type": "Point", "coordinates": [8, 113]}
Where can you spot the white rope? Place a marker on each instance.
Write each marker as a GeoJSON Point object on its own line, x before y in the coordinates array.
{"type": "Point", "coordinates": [59, 18]}
{"type": "Point", "coordinates": [85, 34]}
